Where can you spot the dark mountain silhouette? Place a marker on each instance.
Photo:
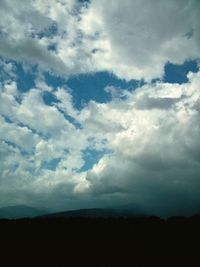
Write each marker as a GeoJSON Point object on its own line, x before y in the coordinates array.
{"type": "Point", "coordinates": [97, 213]}
{"type": "Point", "coordinates": [19, 211]}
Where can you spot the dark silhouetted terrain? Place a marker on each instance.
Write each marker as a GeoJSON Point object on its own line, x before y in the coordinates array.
{"type": "Point", "coordinates": [100, 242]}
{"type": "Point", "coordinates": [96, 213]}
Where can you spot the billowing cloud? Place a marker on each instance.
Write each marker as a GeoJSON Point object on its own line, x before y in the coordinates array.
{"type": "Point", "coordinates": [137, 38]}
{"type": "Point", "coordinates": [146, 138]}
{"type": "Point", "coordinates": [132, 39]}
{"type": "Point", "coordinates": [38, 32]}
{"type": "Point", "coordinates": [150, 137]}
{"type": "Point", "coordinates": [156, 154]}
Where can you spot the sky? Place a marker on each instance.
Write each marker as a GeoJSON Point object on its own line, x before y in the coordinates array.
{"type": "Point", "coordinates": [100, 104]}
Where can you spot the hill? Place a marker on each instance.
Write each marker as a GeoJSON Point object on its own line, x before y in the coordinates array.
{"type": "Point", "coordinates": [96, 213]}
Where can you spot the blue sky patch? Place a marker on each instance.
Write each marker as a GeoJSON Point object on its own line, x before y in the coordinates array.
{"type": "Point", "coordinates": [178, 73]}
{"type": "Point", "coordinates": [91, 157]}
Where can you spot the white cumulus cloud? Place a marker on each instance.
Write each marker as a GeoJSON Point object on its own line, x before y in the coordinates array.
{"type": "Point", "coordinates": [132, 39]}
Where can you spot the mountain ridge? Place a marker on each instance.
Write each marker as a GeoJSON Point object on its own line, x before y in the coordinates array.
{"type": "Point", "coordinates": [94, 213]}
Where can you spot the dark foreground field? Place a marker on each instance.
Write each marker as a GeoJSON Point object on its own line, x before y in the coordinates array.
{"type": "Point", "coordinates": [100, 242]}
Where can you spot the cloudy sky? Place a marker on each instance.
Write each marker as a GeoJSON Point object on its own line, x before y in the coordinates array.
{"type": "Point", "coordinates": [100, 104]}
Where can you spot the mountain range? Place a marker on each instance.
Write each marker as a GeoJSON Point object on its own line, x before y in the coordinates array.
{"type": "Point", "coordinates": [16, 212]}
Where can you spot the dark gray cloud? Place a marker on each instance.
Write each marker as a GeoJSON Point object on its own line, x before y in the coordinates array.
{"type": "Point", "coordinates": [156, 164]}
